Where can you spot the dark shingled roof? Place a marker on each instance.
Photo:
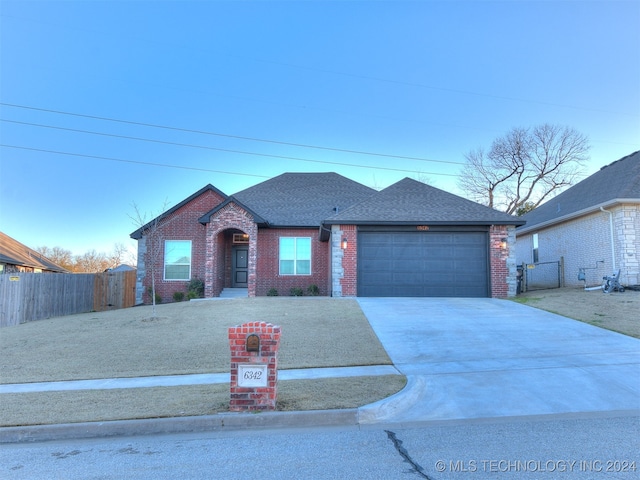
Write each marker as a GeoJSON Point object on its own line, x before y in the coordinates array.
{"type": "Point", "coordinates": [12, 252]}
{"type": "Point", "coordinates": [618, 182]}
{"type": "Point", "coordinates": [411, 202]}
{"type": "Point", "coordinates": [302, 199]}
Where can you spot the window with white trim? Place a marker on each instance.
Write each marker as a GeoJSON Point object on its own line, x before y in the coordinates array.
{"type": "Point", "coordinates": [177, 259]}
{"type": "Point", "coordinates": [534, 253]}
{"type": "Point", "coordinates": [295, 256]}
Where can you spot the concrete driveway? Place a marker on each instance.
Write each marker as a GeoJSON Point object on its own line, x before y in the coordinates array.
{"type": "Point", "coordinates": [484, 358]}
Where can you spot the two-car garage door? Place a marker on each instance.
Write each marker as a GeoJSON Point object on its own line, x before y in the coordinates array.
{"type": "Point", "coordinates": [422, 264]}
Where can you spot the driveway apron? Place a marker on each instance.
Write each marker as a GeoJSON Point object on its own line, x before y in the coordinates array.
{"type": "Point", "coordinates": [483, 358]}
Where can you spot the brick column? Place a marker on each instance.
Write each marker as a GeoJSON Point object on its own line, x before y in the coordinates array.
{"type": "Point", "coordinates": [254, 366]}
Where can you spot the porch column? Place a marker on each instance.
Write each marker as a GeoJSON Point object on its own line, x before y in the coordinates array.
{"type": "Point", "coordinates": [337, 254]}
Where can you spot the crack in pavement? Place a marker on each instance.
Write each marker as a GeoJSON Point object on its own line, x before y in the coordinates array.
{"type": "Point", "coordinates": [405, 455]}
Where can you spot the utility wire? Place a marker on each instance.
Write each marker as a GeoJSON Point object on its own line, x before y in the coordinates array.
{"type": "Point", "coordinates": [283, 157]}
{"type": "Point", "coordinates": [132, 161]}
{"type": "Point", "coordinates": [219, 171]}
{"type": "Point", "coordinates": [238, 137]}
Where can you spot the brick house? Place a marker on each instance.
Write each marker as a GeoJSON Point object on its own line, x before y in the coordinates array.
{"type": "Point", "coordinates": [594, 226]}
{"type": "Point", "coordinates": [301, 230]}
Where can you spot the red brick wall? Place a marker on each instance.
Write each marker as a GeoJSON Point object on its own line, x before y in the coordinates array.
{"type": "Point", "coordinates": [230, 217]}
{"type": "Point", "coordinates": [350, 261]}
{"type": "Point", "coordinates": [268, 269]}
{"type": "Point", "coordinates": [254, 398]}
{"type": "Point", "coordinates": [183, 225]}
{"type": "Point", "coordinates": [498, 261]}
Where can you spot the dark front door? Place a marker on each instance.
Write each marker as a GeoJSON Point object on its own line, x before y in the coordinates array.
{"type": "Point", "coordinates": [240, 267]}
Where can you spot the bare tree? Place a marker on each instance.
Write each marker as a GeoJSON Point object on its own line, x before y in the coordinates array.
{"type": "Point", "coordinates": [119, 255]}
{"type": "Point", "coordinates": [59, 256]}
{"type": "Point", "coordinates": [524, 167]}
{"type": "Point", "coordinates": [153, 238]}
{"type": "Point", "coordinates": [91, 262]}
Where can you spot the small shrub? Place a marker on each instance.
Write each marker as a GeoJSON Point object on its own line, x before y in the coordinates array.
{"type": "Point", "coordinates": [313, 290]}
{"type": "Point", "coordinates": [195, 288]}
{"type": "Point", "coordinates": [158, 297]}
{"type": "Point", "coordinates": [296, 292]}
{"type": "Point", "coordinates": [272, 292]}
{"type": "Point", "coordinates": [178, 296]}
{"type": "Point", "coordinates": [191, 295]}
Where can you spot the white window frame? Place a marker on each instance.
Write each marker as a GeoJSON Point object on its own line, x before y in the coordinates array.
{"type": "Point", "coordinates": [535, 253]}
{"type": "Point", "coordinates": [167, 251]}
{"type": "Point", "coordinates": [295, 258]}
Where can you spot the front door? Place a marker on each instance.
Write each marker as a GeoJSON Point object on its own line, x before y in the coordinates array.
{"type": "Point", "coordinates": [240, 267]}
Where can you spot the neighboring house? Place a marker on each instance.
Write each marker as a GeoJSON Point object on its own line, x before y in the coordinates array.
{"type": "Point", "coordinates": [300, 230]}
{"type": "Point", "coordinates": [18, 258]}
{"type": "Point", "coordinates": [121, 268]}
{"type": "Point", "coordinates": [594, 226]}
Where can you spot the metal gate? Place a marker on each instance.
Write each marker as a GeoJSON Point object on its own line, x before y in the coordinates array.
{"type": "Point", "coordinates": [542, 275]}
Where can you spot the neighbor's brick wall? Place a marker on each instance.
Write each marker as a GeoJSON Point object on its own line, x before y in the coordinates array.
{"type": "Point", "coordinates": [627, 235]}
{"type": "Point", "coordinates": [180, 225]}
{"type": "Point", "coordinates": [268, 268]}
{"type": "Point", "coordinates": [585, 242]}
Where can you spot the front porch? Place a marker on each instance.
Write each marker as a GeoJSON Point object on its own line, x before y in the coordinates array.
{"type": "Point", "coordinates": [231, 251]}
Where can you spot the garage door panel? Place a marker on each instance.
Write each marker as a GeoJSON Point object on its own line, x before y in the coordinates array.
{"type": "Point", "coordinates": [437, 264]}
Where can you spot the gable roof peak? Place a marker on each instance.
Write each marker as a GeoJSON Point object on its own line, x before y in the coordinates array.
{"type": "Point", "coordinates": [137, 235]}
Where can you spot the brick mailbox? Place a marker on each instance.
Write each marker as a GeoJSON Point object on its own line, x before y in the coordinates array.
{"type": "Point", "coordinates": [254, 366]}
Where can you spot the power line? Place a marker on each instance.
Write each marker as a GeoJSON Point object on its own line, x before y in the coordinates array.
{"type": "Point", "coordinates": [242, 152]}
{"type": "Point", "coordinates": [238, 137]}
{"type": "Point", "coordinates": [219, 171]}
{"type": "Point", "coordinates": [153, 164]}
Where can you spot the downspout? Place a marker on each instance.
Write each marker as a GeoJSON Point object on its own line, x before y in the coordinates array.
{"type": "Point", "coordinates": [613, 249]}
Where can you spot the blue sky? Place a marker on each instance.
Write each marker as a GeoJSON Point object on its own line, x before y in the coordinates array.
{"type": "Point", "coordinates": [249, 90]}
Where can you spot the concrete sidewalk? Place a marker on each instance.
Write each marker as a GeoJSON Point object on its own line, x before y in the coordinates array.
{"type": "Point", "coordinates": [196, 379]}
{"type": "Point", "coordinates": [487, 358]}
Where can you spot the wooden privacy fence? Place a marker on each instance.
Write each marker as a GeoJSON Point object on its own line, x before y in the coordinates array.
{"type": "Point", "coordinates": [25, 297]}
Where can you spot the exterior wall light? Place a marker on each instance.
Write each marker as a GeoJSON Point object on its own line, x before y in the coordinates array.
{"type": "Point", "coordinates": [503, 243]}
{"type": "Point", "coordinates": [344, 243]}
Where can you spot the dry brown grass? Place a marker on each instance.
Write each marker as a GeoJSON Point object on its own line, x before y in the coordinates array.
{"type": "Point", "coordinates": [614, 311]}
{"type": "Point", "coordinates": [185, 338]}
{"type": "Point", "coordinates": [19, 409]}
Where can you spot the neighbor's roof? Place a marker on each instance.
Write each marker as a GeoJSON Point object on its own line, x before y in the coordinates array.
{"type": "Point", "coordinates": [302, 199]}
{"type": "Point", "coordinates": [13, 252]}
{"type": "Point", "coordinates": [411, 202]}
{"type": "Point", "coordinates": [618, 182]}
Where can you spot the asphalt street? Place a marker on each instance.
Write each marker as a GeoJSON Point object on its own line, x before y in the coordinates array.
{"type": "Point", "coordinates": [595, 447]}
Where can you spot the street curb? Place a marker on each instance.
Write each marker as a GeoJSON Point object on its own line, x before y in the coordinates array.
{"type": "Point", "coordinates": [396, 404]}
{"type": "Point", "coordinates": [157, 426]}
